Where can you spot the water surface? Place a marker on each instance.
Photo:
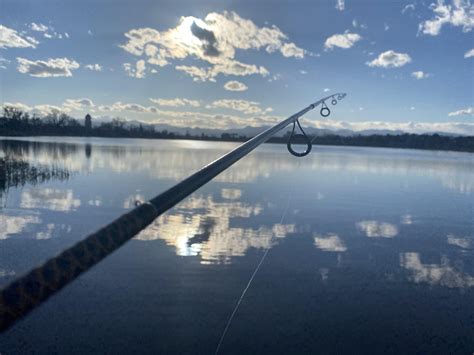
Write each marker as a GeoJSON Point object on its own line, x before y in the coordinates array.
{"type": "Point", "coordinates": [370, 250]}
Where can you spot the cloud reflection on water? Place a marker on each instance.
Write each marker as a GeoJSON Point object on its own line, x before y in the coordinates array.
{"type": "Point", "coordinates": [376, 229]}
{"type": "Point", "coordinates": [202, 226]}
{"type": "Point", "coordinates": [226, 224]}
{"type": "Point", "coordinates": [231, 194]}
{"type": "Point", "coordinates": [434, 274]}
{"type": "Point", "coordinates": [329, 242]}
{"type": "Point", "coordinates": [12, 225]}
{"type": "Point", "coordinates": [463, 243]}
{"type": "Point", "coordinates": [49, 198]}
{"type": "Point", "coordinates": [46, 234]}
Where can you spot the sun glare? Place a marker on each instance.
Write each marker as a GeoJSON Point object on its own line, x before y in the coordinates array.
{"type": "Point", "coordinates": [184, 34]}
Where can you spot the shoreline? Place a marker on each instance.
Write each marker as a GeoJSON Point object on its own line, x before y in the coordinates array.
{"type": "Point", "coordinates": [328, 140]}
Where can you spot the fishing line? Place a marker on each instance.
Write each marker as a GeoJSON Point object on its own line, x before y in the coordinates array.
{"type": "Point", "coordinates": [324, 112]}
{"type": "Point", "coordinates": [229, 321]}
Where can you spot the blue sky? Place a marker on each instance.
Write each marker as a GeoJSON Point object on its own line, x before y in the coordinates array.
{"type": "Point", "coordinates": [225, 64]}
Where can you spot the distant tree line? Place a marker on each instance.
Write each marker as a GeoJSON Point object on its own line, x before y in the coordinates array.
{"type": "Point", "coordinates": [15, 122]}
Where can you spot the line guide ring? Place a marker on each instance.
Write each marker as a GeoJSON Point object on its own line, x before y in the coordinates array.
{"type": "Point", "coordinates": [302, 138]}
{"type": "Point", "coordinates": [294, 138]}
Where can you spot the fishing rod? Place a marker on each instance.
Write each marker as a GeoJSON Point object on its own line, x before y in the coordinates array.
{"type": "Point", "coordinates": [31, 290]}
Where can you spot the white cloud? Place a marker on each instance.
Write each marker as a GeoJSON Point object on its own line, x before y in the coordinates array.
{"type": "Point", "coordinates": [376, 229]}
{"type": "Point", "coordinates": [177, 102]}
{"type": "Point", "coordinates": [48, 32]}
{"type": "Point", "coordinates": [458, 13]}
{"type": "Point", "coordinates": [327, 89]}
{"type": "Point", "coordinates": [3, 63]}
{"type": "Point", "coordinates": [275, 77]}
{"type": "Point", "coordinates": [94, 67]}
{"type": "Point", "coordinates": [18, 105]}
{"type": "Point", "coordinates": [214, 40]}
{"type": "Point", "coordinates": [390, 59]}
{"type": "Point", "coordinates": [135, 72]}
{"type": "Point", "coordinates": [248, 107]}
{"type": "Point", "coordinates": [469, 53]}
{"type": "Point", "coordinates": [386, 27]}
{"type": "Point", "coordinates": [198, 74]}
{"type": "Point", "coordinates": [330, 242]}
{"type": "Point", "coordinates": [346, 40]}
{"type": "Point", "coordinates": [44, 109]}
{"type": "Point", "coordinates": [77, 104]}
{"type": "Point", "coordinates": [200, 119]}
{"type": "Point", "coordinates": [420, 75]}
{"type": "Point", "coordinates": [141, 67]}
{"type": "Point", "coordinates": [355, 24]}
{"type": "Point", "coordinates": [408, 7]}
{"type": "Point", "coordinates": [303, 72]}
{"type": "Point", "coordinates": [234, 85]}
{"type": "Point", "coordinates": [49, 68]}
{"type": "Point", "coordinates": [340, 5]}
{"type": "Point", "coordinates": [468, 111]}
{"type": "Point", "coordinates": [38, 27]}
{"type": "Point", "coordinates": [291, 50]}
{"type": "Point", "coordinates": [10, 38]}
{"type": "Point", "coordinates": [132, 107]}
{"type": "Point", "coordinates": [231, 68]}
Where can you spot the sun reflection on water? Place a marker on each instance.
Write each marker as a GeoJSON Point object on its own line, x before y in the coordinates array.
{"type": "Point", "coordinates": [201, 226]}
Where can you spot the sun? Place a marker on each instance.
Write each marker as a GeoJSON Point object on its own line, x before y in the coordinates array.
{"type": "Point", "coordinates": [184, 35]}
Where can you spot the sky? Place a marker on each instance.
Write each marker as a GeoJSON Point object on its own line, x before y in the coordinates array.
{"type": "Point", "coordinates": [230, 64]}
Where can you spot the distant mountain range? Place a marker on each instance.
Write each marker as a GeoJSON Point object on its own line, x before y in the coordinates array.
{"type": "Point", "coordinates": [250, 131]}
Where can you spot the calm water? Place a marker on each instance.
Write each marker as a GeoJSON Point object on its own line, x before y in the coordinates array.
{"type": "Point", "coordinates": [373, 255]}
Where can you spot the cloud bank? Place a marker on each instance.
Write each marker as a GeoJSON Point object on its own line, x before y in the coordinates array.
{"type": "Point", "coordinates": [216, 115]}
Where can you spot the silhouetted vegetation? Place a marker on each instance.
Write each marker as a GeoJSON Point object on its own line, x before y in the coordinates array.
{"type": "Point", "coordinates": [14, 122]}
{"type": "Point", "coordinates": [14, 173]}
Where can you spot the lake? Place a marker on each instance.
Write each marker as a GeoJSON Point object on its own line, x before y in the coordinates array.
{"type": "Point", "coordinates": [369, 250]}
